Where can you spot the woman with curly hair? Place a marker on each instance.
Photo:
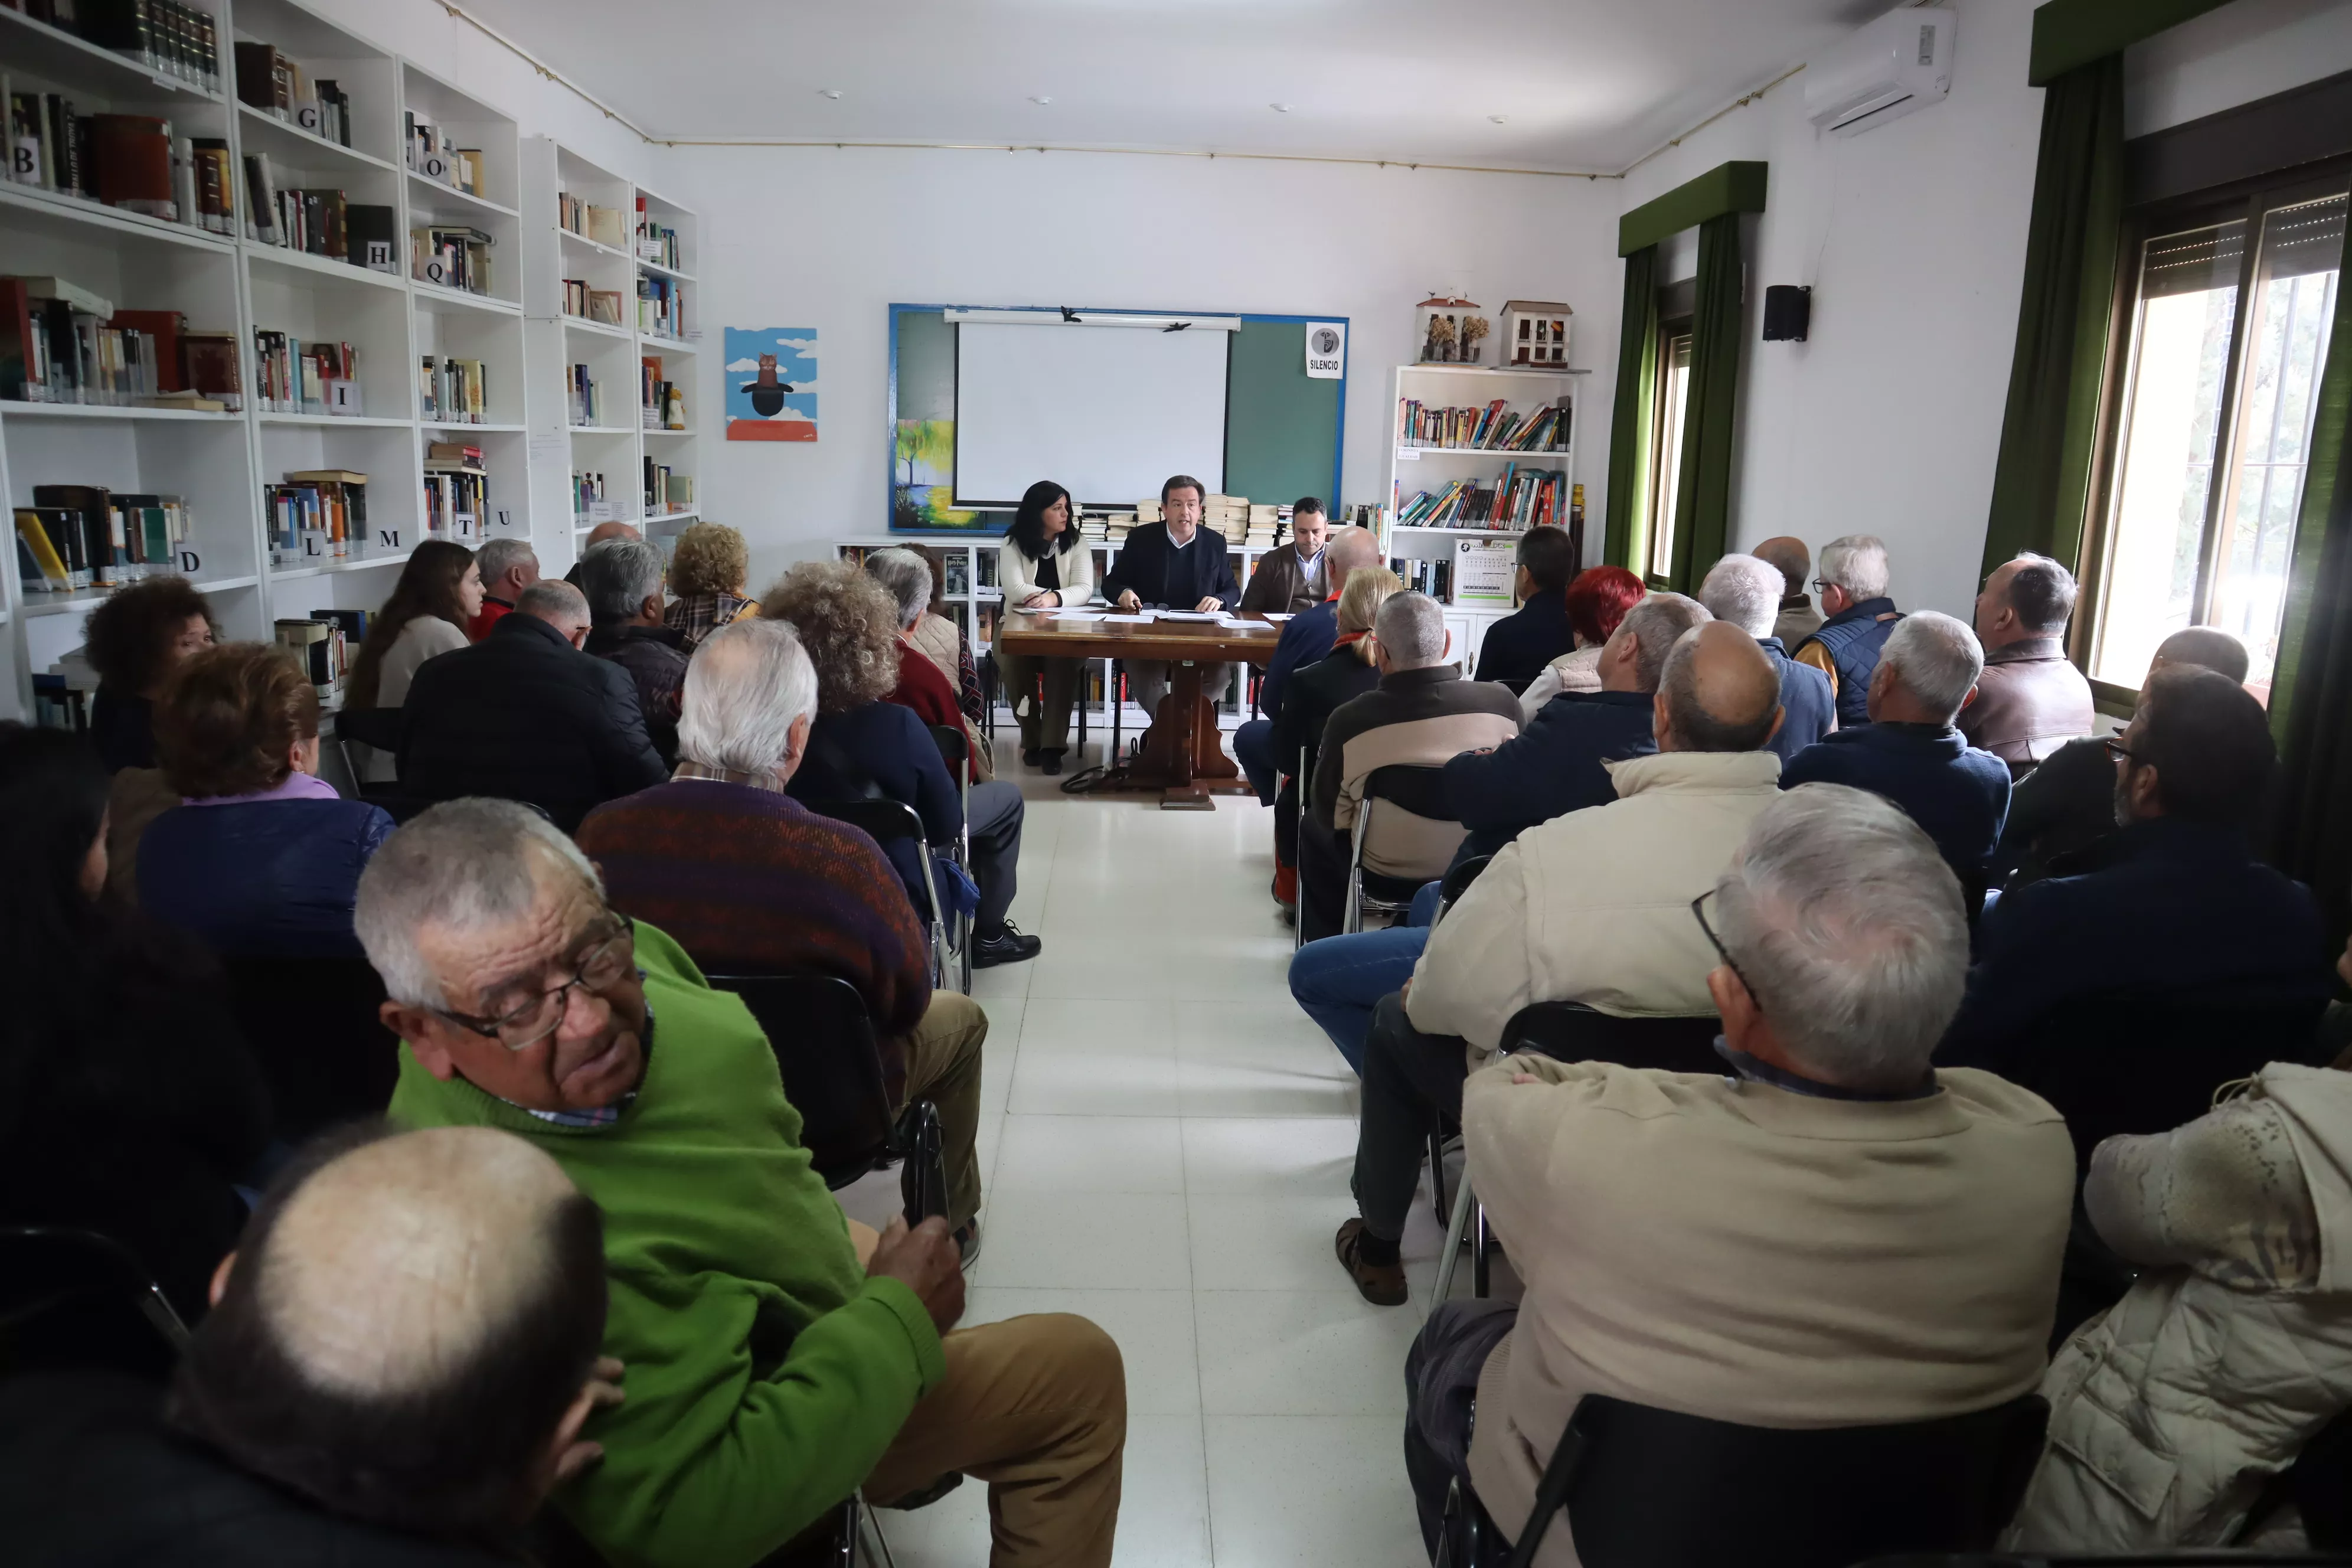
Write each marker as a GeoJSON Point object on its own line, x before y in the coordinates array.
{"type": "Point", "coordinates": [706, 569]}
{"type": "Point", "coordinates": [862, 744]}
{"type": "Point", "coordinates": [134, 641]}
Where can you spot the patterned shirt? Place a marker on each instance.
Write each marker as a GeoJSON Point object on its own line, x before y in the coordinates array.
{"type": "Point", "coordinates": [697, 616]}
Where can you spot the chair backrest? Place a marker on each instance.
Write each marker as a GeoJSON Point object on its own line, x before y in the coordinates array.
{"type": "Point", "coordinates": [1571, 1032]}
{"type": "Point", "coordinates": [1401, 823]}
{"type": "Point", "coordinates": [831, 1066]}
{"type": "Point", "coordinates": [1458, 877]}
{"type": "Point", "coordinates": [317, 1032]}
{"type": "Point", "coordinates": [1657, 1489]}
{"type": "Point", "coordinates": [955, 750]}
{"type": "Point", "coordinates": [883, 821]}
{"type": "Point", "coordinates": [75, 1299]}
{"type": "Point", "coordinates": [377, 727]}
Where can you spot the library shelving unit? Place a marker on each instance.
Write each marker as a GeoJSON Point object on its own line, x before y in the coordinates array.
{"type": "Point", "coordinates": [1414, 468]}
{"type": "Point", "coordinates": [239, 283]}
{"type": "Point", "coordinates": [619, 436]}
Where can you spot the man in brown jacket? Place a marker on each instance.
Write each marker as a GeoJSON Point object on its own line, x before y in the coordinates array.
{"type": "Point", "coordinates": [2030, 700]}
{"type": "Point", "coordinates": [1839, 1235]}
{"type": "Point", "coordinates": [1292, 577]}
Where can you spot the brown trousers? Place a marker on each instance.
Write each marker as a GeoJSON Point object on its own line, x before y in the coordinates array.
{"type": "Point", "coordinates": [943, 1067]}
{"type": "Point", "coordinates": [1036, 1407]}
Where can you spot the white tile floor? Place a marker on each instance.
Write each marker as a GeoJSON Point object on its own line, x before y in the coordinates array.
{"type": "Point", "coordinates": [1165, 1147]}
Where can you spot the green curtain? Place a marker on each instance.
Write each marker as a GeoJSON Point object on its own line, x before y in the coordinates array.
{"type": "Point", "coordinates": [2311, 692]}
{"type": "Point", "coordinates": [2042, 480]}
{"type": "Point", "coordinates": [1626, 542]}
{"type": "Point", "coordinates": [1703, 494]}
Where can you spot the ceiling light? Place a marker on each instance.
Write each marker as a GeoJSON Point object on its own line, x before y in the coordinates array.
{"type": "Point", "coordinates": [1279, 108]}
{"type": "Point", "coordinates": [828, 92]}
{"type": "Point", "coordinates": [1500, 118]}
{"type": "Point", "coordinates": [1041, 97]}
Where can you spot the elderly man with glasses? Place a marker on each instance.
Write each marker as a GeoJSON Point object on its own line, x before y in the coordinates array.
{"type": "Point", "coordinates": [1830, 1234]}
{"type": "Point", "coordinates": [769, 1373]}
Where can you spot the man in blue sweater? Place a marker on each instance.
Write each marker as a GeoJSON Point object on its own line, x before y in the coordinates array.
{"type": "Point", "coordinates": [1910, 753]}
{"type": "Point", "coordinates": [1854, 583]}
{"type": "Point", "coordinates": [1173, 564]}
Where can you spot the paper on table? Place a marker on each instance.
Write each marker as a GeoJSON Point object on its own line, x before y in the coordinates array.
{"type": "Point", "coordinates": [1279, 619]}
{"type": "Point", "coordinates": [1073, 615]}
{"type": "Point", "coordinates": [1200, 616]}
{"type": "Point", "coordinates": [1126, 620]}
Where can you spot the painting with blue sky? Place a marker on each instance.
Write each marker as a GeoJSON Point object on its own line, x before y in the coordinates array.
{"type": "Point", "coordinates": [771, 384]}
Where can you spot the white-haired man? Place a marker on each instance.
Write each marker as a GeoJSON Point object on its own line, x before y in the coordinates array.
{"type": "Point", "coordinates": [507, 566]}
{"type": "Point", "coordinates": [1860, 616]}
{"type": "Point", "coordinates": [750, 881]}
{"type": "Point", "coordinates": [2031, 699]}
{"type": "Point", "coordinates": [1910, 752]}
{"type": "Point", "coordinates": [1746, 591]}
{"type": "Point", "coordinates": [622, 582]}
{"type": "Point", "coordinates": [769, 1373]}
{"type": "Point", "coordinates": [1700, 1243]}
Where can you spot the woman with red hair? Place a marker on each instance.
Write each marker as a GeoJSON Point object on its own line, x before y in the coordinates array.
{"type": "Point", "coordinates": [1597, 601]}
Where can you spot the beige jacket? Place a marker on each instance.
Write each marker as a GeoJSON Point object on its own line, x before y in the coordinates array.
{"type": "Point", "coordinates": [1017, 574]}
{"type": "Point", "coordinates": [1594, 906]}
{"type": "Point", "coordinates": [1578, 671]}
{"type": "Point", "coordinates": [2171, 1411]}
{"type": "Point", "coordinates": [1744, 1252]}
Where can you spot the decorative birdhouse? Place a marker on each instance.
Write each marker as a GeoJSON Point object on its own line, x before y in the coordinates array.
{"type": "Point", "coordinates": [1439, 328]}
{"type": "Point", "coordinates": [1535, 334]}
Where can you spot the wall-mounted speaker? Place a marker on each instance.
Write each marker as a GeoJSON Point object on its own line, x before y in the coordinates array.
{"type": "Point", "coordinates": [1788, 311]}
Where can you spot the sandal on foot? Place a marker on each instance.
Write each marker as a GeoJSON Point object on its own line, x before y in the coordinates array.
{"type": "Point", "coordinates": [1381, 1284]}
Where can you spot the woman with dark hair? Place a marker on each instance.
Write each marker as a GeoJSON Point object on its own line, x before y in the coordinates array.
{"type": "Point", "coordinates": [439, 591]}
{"type": "Point", "coordinates": [1597, 600]}
{"type": "Point", "coordinates": [129, 1104]}
{"type": "Point", "coordinates": [261, 857]}
{"type": "Point", "coordinates": [1042, 564]}
{"type": "Point", "coordinates": [134, 640]}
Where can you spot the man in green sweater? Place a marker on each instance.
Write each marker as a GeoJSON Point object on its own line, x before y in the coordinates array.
{"type": "Point", "coordinates": [768, 1376]}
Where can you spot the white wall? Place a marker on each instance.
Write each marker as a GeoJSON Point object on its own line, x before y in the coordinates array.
{"type": "Point", "coordinates": [830, 238]}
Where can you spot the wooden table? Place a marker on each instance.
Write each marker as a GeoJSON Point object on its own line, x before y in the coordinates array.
{"type": "Point", "coordinates": [1181, 755]}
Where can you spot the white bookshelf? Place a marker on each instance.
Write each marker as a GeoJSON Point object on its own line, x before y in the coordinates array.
{"type": "Point", "coordinates": [236, 283]}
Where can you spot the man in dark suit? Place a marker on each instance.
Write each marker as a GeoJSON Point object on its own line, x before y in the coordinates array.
{"type": "Point", "coordinates": [1520, 644]}
{"type": "Point", "coordinates": [1173, 564]}
{"type": "Point", "coordinates": [1293, 577]}
{"type": "Point", "coordinates": [525, 715]}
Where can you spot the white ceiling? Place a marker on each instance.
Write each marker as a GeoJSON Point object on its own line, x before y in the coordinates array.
{"type": "Point", "coordinates": [1586, 85]}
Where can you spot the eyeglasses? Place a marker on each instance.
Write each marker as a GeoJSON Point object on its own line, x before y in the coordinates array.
{"type": "Point", "coordinates": [1722, 951]}
{"type": "Point", "coordinates": [1822, 585]}
{"type": "Point", "coordinates": [2116, 751]}
{"type": "Point", "coordinates": [524, 1026]}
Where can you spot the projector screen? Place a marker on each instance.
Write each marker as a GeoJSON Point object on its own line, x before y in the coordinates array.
{"type": "Point", "coordinates": [1105, 412]}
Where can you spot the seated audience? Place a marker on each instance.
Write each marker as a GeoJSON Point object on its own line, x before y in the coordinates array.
{"type": "Point", "coordinates": [940, 639]}
{"type": "Point", "coordinates": [1798, 619]}
{"type": "Point", "coordinates": [1860, 616]}
{"type": "Point", "coordinates": [1597, 600]}
{"type": "Point", "coordinates": [129, 1103]}
{"type": "Point", "coordinates": [1316, 692]}
{"type": "Point", "coordinates": [525, 715]}
{"type": "Point", "coordinates": [134, 640]}
{"type": "Point", "coordinates": [623, 585]}
{"type": "Point", "coordinates": [2031, 699]}
{"type": "Point", "coordinates": [1420, 713]}
{"type": "Point", "coordinates": [769, 1375]}
{"type": "Point", "coordinates": [1157, 568]}
{"type": "Point", "coordinates": [750, 881]}
{"type": "Point", "coordinates": [1837, 1235]}
{"type": "Point", "coordinates": [1561, 761]}
{"type": "Point", "coordinates": [1745, 591]}
{"type": "Point", "coordinates": [1591, 906]}
{"type": "Point", "coordinates": [398, 1367]}
{"type": "Point", "coordinates": [262, 858]}
{"type": "Point", "coordinates": [438, 594]}
{"type": "Point", "coordinates": [1909, 751]}
{"type": "Point", "coordinates": [506, 566]}
{"type": "Point", "coordinates": [922, 686]}
{"type": "Point", "coordinates": [2234, 1348]}
{"type": "Point", "coordinates": [1516, 647]}
{"type": "Point", "coordinates": [2068, 802]}
{"type": "Point", "coordinates": [707, 568]}
{"type": "Point", "coordinates": [603, 533]}
{"type": "Point", "coordinates": [2181, 906]}
{"type": "Point", "coordinates": [1042, 564]}
{"type": "Point", "coordinates": [1305, 638]}
{"type": "Point", "coordinates": [1294, 577]}
{"type": "Point", "coordinates": [862, 745]}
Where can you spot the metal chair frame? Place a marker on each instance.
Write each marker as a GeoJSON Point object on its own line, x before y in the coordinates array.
{"type": "Point", "coordinates": [1352, 917]}
{"type": "Point", "coordinates": [130, 1278]}
{"type": "Point", "coordinates": [955, 750]}
{"type": "Point", "coordinates": [861, 815]}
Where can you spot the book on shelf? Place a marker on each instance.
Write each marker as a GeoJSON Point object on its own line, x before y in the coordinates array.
{"type": "Point", "coordinates": [656, 243]}
{"type": "Point", "coordinates": [427, 149]}
{"type": "Point", "coordinates": [1434, 578]}
{"type": "Point", "coordinates": [661, 307]}
{"type": "Point", "coordinates": [589, 501]}
{"type": "Point", "coordinates": [603, 306]}
{"type": "Point", "coordinates": [298, 376]}
{"type": "Point", "coordinates": [88, 536]}
{"type": "Point", "coordinates": [317, 645]}
{"type": "Point", "coordinates": [583, 397]}
{"type": "Point", "coordinates": [371, 238]}
{"type": "Point", "coordinates": [453, 390]}
{"type": "Point", "coordinates": [161, 36]}
{"type": "Point", "coordinates": [455, 497]}
{"type": "Point", "coordinates": [661, 403]}
{"type": "Point", "coordinates": [316, 515]}
{"type": "Point", "coordinates": [455, 256]}
{"type": "Point", "coordinates": [585, 218]}
{"type": "Point", "coordinates": [1494, 428]}
{"type": "Point", "coordinates": [54, 349]}
{"type": "Point", "coordinates": [280, 88]}
{"type": "Point", "coordinates": [214, 368]}
{"type": "Point", "coordinates": [668, 492]}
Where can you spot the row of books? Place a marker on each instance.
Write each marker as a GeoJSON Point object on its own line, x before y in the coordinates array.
{"type": "Point", "coordinates": [588, 496]}
{"type": "Point", "coordinates": [87, 536]}
{"type": "Point", "coordinates": [456, 492]}
{"type": "Point", "coordinates": [601, 305]}
{"type": "Point", "coordinates": [661, 307]}
{"type": "Point", "coordinates": [1522, 499]}
{"type": "Point", "coordinates": [429, 152]}
{"type": "Point", "coordinates": [298, 375]}
{"type": "Point", "coordinates": [454, 390]}
{"type": "Point", "coordinates": [656, 242]}
{"type": "Point", "coordinates": [133, 162]}
{"type": "Point", "coordinates": [1492, 429]}
{"type": "Point", "coordinates": [453, 256]}
{"type": "Point", "coordinates": [321, 222]}
{"type": "Point", "coordinates": [666, 491]}
{"type": "Point", "coordinates": [605, 226]}
{"type": "Point", "coordinates": [1434, 578]}
{"type": "Point", "coordinates": [661, 404]}
{"type": "Point", "coordinates": [315, 516]}
{"type": "Point", "coordinates": [61, 343]}
{"type": "Point", "coordinates": [280, 88]}
{"type": "Point", "coordinates": [583, 397]}
{"type": "Point", "coordinates": [167, 37]}
{"type": "Point", "coordinates": [325, 644]}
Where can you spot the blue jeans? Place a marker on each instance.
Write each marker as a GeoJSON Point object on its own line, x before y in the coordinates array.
{"type": "Point", "coordinates": [1338, 980]}
{"type": "Point", "coordinates": [1254, 749]}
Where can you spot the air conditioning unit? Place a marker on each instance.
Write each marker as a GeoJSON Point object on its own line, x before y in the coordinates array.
{"type": "Point", "coordinates": [1899, 63]}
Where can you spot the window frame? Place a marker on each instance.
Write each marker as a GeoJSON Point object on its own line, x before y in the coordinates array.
{"type": "Point", "coordinates": [1671, 330]}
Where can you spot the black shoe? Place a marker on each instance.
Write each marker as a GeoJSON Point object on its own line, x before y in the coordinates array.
{"type": "Point", "coordinates": [967, 1242]}
{"type": "Point", "coordinates": [1007, 946]}
{"type": "Point", "coordinates": [1051, 761]}
{"type": "Point", "coordinates": [1029, 757]}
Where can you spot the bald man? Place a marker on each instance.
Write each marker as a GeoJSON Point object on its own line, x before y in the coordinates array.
{"type": "Point", "coordinates": [1798, 619]}
{"type": "Point", "coordinates": [1593, 907]}
{"type": "Point", "coordinates": [400, 1364]}
{"type": "Point", "coordinates": [603, 533]}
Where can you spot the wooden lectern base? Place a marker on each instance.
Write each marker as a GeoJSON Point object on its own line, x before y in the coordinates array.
{"type": "Point", "coordinates": [1186, 761]}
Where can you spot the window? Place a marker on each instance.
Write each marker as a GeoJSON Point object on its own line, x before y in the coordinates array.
{"type": "Point", "coordinates": [2220, 377]}
{"type": "Point", "coordinates": [1666, 444]}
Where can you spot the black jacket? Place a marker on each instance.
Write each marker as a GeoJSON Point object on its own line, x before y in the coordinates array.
{"type": "Point", "coordinates": [2059, 809]}
{"type": "Point", "coordinates": [1517, 646]}
{"type": "Point", "coordinates": [90, 1478]}
{"type": "Point", "coordinates": [884, 746]}
{"type": "Point", "coordinates": [1317, 692]}
{"type": "Point", "coordinates": [523, 715]}
{"type": "Point", "coordinates": [655, 658]}
{"type": "Point", "coordinates": [1553, 768]}
{"type": "Point", "coordinates": [1170, 578]}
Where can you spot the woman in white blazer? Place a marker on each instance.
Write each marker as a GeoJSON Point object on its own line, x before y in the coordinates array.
{"type": "Point", "coordinates": [1042, 564]}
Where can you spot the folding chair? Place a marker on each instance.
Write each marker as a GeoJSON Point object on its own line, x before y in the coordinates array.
{"type": "Point", "coordinates": [1402, 786]}
{"type": "Point", "coordinates": [72, 1298]}
{"type": "Point", "coordinates": [318, 1038]}
{"type": "Point", "coordinates": [955, 750]}
{"type": "Point", "coordinates": [887, 822]}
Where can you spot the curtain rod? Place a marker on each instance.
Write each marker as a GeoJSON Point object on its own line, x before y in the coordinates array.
{"type": "Point", "coordinates": [1742, 101]}
{"type": "Point", "coordinates": [543, 68]}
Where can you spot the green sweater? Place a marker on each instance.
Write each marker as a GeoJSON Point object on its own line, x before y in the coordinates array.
{"type": "Point", "coordinates": [766, 1373]}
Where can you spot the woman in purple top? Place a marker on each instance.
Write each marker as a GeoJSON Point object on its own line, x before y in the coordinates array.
{"type": "Point", "coordinates": [261, 857]}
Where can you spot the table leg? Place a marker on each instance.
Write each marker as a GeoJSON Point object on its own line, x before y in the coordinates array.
{"type": "Point", "coordinates": [1184, 758]}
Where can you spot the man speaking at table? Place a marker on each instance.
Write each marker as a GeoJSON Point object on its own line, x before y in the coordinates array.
{"type": "Point", "coordinates": [1172, 565]}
